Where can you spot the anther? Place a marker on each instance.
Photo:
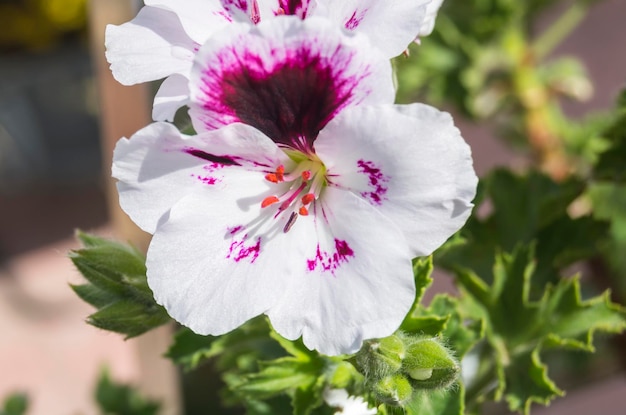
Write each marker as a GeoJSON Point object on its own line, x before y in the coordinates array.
{"type": "Point", "coordinates": [271, 177]}
{"type": "Point", "coordinates": [290, 222]}
{"type": "Point", "coordinates": [306, 175]}
{"type": "Point", "coordinates": [308, 198]}
{"type": "Point", "coordinates": [280, 171]}
{"type": "Point", "coordinates": [303, 211]}
{"type": "Point", "coordinates": [270, 200]}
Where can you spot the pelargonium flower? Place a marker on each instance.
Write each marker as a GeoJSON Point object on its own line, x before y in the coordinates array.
{"type": "Point", "coordinates": [163, 39]}
{"type": "Point", "coordinates": [305, 194]}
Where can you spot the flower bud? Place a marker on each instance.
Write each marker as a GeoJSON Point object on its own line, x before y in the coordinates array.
{"type": "Point", "coordinates": [393, 390]}
{"type": "Point", "coordinates": [382, 357]}
{"type": "Point", "coordinates": [430, 365]}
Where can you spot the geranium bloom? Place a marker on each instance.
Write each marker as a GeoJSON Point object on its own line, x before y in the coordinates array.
{"type": "Point", "coordinates": [306, 193]}
{"type": "Point", "coordinates": [166, 35]}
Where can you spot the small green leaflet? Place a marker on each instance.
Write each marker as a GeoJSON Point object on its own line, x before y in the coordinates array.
{"type": "Point", "coordinates": [116, 286]}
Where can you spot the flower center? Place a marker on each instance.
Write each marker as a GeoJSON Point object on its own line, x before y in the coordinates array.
{"type": "Point", "coordinates": [303, 187]}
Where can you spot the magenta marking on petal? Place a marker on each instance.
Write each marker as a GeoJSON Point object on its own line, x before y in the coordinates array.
{"type": "Point", "coordinates": [291, 101]}
{"type": "Point", "coordinates": [234, 229]}
{"type": "Point", "coordinates": [239, 4]}
{"type": "Point", "coordinates": [224, 15]}
{"type": "Point", "coordinates": [377, 181]}
{"type": "Point", "coordinates": [208, 180]}
{"type": "Point", "coordinates": [239, 251]}
{"type": "Point", "coordinates": [255, 14]}
{"type": "Point", "coordinates": [222, 160]}
{"type": "Point", "coordinates": [329, 262]}
{"type": "Point", "coordinates": [355, 20]}
{"type": "Point", "coordinates": [298, 8]}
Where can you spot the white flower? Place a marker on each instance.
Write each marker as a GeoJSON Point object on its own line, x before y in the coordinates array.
{"type": "Point", "coordinates": [348, 405]}
{"type": "Point", "coordinates": [306, 193]}
{"type": "Point", "coordinates": [162, 40]}
{"type": "Point", "coordinates": [428, 23]}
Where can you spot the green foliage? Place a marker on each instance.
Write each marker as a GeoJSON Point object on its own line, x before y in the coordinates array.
{"type": "Point", "coordinates": [611, 165]}
{"type": "Point", "coordinates": [302, 375]}
{"type": "Point", "coordinates": [519, 328]}
{"type": "Point", "coordinates": [15, 404]}
{"type": "Point", "coordinates": [240, 348]}
{"type": "Point", "coordinates": [116, 399]}
{"type": "Point", "coordinates": [117, 287]}
{"type": "Point", "coordinates": [526, 208]}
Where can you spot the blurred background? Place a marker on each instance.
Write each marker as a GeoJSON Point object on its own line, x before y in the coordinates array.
{"type": "Point", "coordinates": [61, 112]}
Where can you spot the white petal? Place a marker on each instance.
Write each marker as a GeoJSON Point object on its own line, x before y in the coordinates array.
{"type": "Point", "coordinates": [172, 95]}
{"type": "Point", "coordinates": [158, 166]}
{"type": "Point", "coordinates": [390, 25]}
{"type": "Point", "coordinates": [410, 162]}
{"type": "Point", "coordinates": [199, 18]}
{"type": "Point", "coordinates": [428, 24]}
{"type": "Point", "coordinates": [350, 405]}
{"type": "Point", "coordinates": [210, 274]}
{"type": "Point", "coordinates": [356, 284]}
{"type": "Point", "coordinates": [151, 46]}
{"type": "Point", "coordinates": [286, 77]}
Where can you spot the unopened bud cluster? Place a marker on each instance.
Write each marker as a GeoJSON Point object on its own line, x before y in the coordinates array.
{"type": "Point", "coordinates": [396, 366]}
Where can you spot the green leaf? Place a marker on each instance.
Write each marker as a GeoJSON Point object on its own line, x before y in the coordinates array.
{"type": "Point", "coordinates": [524, 209]}
{"type": "Point", "coordinates": [190, 349]}
{"type": "Point", "coordinates": [238, 350]}
{"type": "Point", "coordinates": [15, 404]}
{"type": "Point", "coordinates": [280, 376]}
{"type": "Point", "coordinates": [305, 399]}
{"type": "Point", "coordinates": [519, 328]}
{"type": "Point", "coordinates": [117, 287]}
{"type": "Point", "coordinates": [128, 317]}
{"type": "Point", "coordinates": [611, 164]}
{"type": "Point", "coordinates": [527, 382]}
{"type": "Point", "coordinates": [445, 402]}
{"type": "Point", "coordinates": [422, 268]}
{"type": "Point", "coordinates": [117, 399]}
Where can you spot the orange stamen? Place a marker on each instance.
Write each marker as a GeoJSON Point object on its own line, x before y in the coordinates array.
{"type": "Point", "coordinates": [308, 198]}
{"type": "Point", "coordinates": [270, 200]}
{"type": "Point", "coordinates": [280, 171]}
{"type": "Point", "coordinates": [303, 211]}
{"type": "Point", "coordinates": [271, 177]}
{"type": "Point", "coordinates": [306, 175]}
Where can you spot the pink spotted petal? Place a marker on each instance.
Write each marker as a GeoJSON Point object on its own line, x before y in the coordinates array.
{"type": "Point", "coordinates": [218, 260]}
{"type": "Point", "coordinates": [356, 284]}
{"type": "Point", "coordinates": [409, 162]}
{"type": "Point", "coordinates": [391, 25]}
{"type": "Point", "coordinates": [159, 166]}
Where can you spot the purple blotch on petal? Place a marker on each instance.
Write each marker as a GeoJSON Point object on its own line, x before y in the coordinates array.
{"type": "Point", "coordinates": [290, 102]}
{"type": "Point", "coordinates": [221, 160]}
{"type": "Point", "coordinates": [239, 251]}
{"type": "Point", "coordinates": [377, 181]}
{"type": "Point", "coordinates": [298, 8]}
{"type": "Point", "coordinates": [355, 20]}
{"type": "Point", "coordinates": [329, 262]}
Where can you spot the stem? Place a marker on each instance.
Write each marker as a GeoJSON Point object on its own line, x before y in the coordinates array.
{"type": "Point", "coordinates": [559, 30]}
